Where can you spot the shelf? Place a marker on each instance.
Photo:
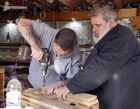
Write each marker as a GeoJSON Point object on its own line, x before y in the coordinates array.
{"type": "Point", "coordinates": [86, 46]}
{"type": "Point", "coordinates": [11, 44]}
{"type": "Point", "coordinates": [9, 54]}
{"type": "Point", "coordinates": [14, 61]}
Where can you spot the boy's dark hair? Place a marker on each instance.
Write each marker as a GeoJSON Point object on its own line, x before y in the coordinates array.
{"type": "Point", "coordinates": [66, 39]}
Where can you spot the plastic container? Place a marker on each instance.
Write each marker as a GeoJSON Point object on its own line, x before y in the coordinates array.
{"type": "Point", "coordinates": [13, 94]}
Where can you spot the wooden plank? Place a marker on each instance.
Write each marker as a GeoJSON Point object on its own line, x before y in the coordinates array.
{"type": "Point", "coordinates": [138, 11]}
{"type": "Point", "coordinates": [76, 105]}
{"type": "Point", "coordinates": [82, 98]}
{"type": "Point", "coordinates": [2, 70]}
{"type": "Point", "coordinates": [64, 16]}
{"type": "Point", "coordinates": [130, 12]}
{"type": "Point", "coordinates": [79, 15]}
{"type": "Point", "coordinates": [84, 15]}
{"type": "Point", "coordinates": [48, 103]}
{"type": "Point", "coordinates": [83, 106]}
{"type": "Point", "coordinates": [9, 53]}
{"type": "Point", "coordinates": [136, 23]}
{"type": "Point", "coordinates": [26, 103]}
{"type": "Point", "coordinates": [95, 106]}
{"type": "Point", "coordinates": [130, 1]}
{"type": "Point", "coordinates": [2, 82]}
{"type": "Point", "coordinates": [118, 4]}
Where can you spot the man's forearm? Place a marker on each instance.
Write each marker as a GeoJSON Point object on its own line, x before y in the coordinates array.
{"type": "Point", "coordinates": [25, 27]}
{"type": "Point", "coordinates": [30, 38]}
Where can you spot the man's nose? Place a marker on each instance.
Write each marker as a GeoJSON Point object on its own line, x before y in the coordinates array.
{"type": "Point", "coordinates": [93, 28]}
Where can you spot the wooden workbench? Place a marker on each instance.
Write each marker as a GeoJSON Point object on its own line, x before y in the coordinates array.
{"type": "Point", "coordinates": [39, 100]}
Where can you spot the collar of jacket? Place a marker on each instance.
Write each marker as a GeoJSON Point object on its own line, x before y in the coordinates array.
{"type": "Point", "coordinates": [110, 35]}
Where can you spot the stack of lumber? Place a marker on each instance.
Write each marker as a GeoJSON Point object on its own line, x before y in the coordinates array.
{"type": "Point", "coordinates": [39, 100]}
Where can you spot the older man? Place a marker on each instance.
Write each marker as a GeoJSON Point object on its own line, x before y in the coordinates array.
{"type": "Point", "coordinates": [112, 70]}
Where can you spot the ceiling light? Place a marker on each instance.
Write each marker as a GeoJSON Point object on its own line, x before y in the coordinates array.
{"type": "Point", "coordinates": [6, 3]}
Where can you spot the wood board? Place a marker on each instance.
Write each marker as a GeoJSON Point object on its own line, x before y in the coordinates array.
{"type": "Point", "coordinates": [74, 101]}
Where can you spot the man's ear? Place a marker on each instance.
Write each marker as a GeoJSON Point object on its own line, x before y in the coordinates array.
{"type": "Point", "coordinates": [112, 24]}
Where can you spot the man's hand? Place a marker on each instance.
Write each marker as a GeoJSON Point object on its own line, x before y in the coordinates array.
{"type": "Point", "coordinates": [62, 92]}
{"type": "Point", "coordinates": [37, 53]}
{"type": "Point", "coordinates": [25, 27]}
{"type": "Point", "coordinates": [51, 88]}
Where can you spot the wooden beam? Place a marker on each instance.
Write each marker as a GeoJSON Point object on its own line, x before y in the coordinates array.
{"type": "Point", "coordinates": [136, 23]}
{"type": "Point", "coordinates": [130, 1]}
{"type": "Point", "coordinates": [130, 12]}
{"type": "Point", "coordinates": [2, 70]}
{"type": "Point", "coordinates": [79, 15]}
{"type": "Point", "coordinates": [53, 16]}
{"type": "Point", "coordinates": [138, 11]}
{"type": "Point", "coordinates": [118, 4]}
{"type": "Point", "coordinates": [83, 15]}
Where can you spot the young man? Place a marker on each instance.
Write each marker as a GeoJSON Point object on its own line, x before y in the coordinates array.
{"type": "Point", "coordinates": [64, 52]}
{"type": "Point", "coordinates": [112, 70]}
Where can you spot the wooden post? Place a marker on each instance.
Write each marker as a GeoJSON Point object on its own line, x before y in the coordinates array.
{"type": "Point", "coordinates": [118, 4]}
{"type": "Point", "coordinates": [1, 82]}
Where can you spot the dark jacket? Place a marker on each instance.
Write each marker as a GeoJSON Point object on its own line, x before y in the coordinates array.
{"type": "Point", "coordinates": [112, 71]}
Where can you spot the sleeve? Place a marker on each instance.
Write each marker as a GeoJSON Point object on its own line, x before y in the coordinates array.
{"type": "Point", "coordinates": [75, 64]}
{"type": "Point", "coordinates": [101, 64]}
{"type": "Point", "coordinates": [44, 32]}
{"type": "Point", "coordinates": [41, 28]}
